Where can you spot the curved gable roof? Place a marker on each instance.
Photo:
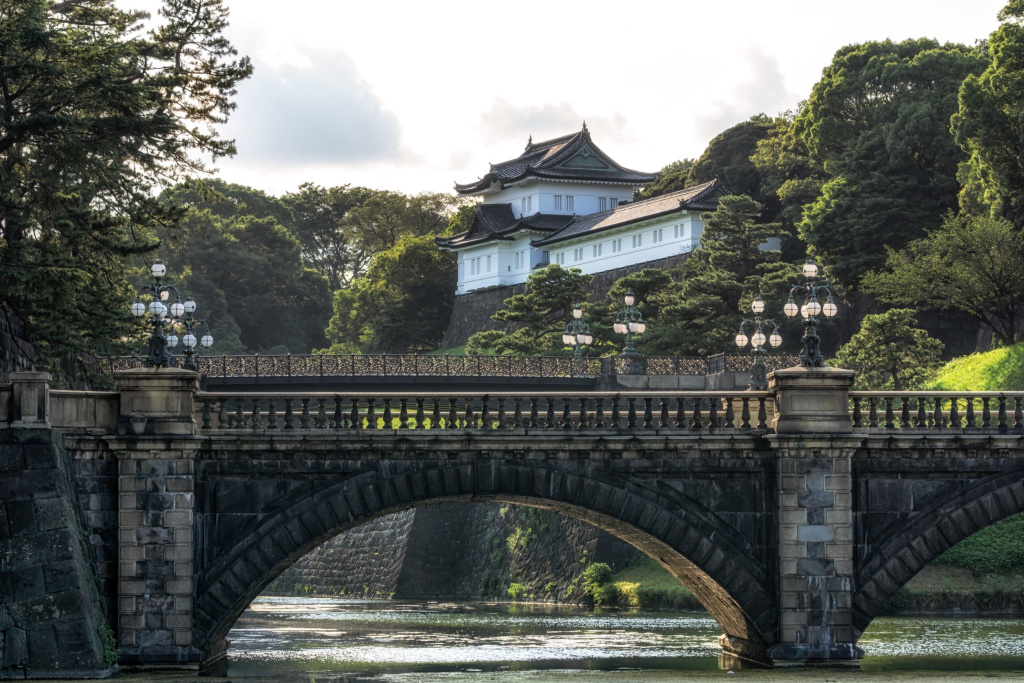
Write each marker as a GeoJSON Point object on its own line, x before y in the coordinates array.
{"type": "Point", "coordinates": [569, 157]}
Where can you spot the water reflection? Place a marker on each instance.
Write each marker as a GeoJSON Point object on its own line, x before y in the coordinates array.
{"type": "Point", "coordinates": [286, 636]}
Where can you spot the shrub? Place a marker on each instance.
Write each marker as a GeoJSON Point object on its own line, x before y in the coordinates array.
{"type": "Point", "coordinates": [996, 548]}
{"type": "Point", "coordinates": [596, 586]}
{"type": "Point", "coordinates": [516, 591]}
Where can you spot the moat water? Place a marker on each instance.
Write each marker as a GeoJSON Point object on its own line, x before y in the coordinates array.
{"type": "Point", "coordinates": [329, 640]}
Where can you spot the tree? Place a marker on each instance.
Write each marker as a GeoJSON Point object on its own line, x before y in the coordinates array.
{"type": "Point", "coordinates": [670, 178]}
{"type": "Point", "coordinates": [989, 125]}
{"type": "Point", "coordinates": [728, 158]}
{"type": "Point", "coordinates": [699, 315]}
{"type": "Point", "coordinates": [972, 264]}
{"type": "Point", "coordinates": [645, 284]}
{"type": "Point", "coordinates": [538, 316]}
{"type": "Point", "coordinates": [401, 305]}
{"type": "Point", "coordinates": [889, 352]}
{"type": "Point", "coordinates": [383, 218]}
{"type": "Point", "coordinates": [328, 242]}
{"type": "Point", "coordinates": [246, 273]}
{"type": "Point", "coordinates": [878, 123]}
{"type": "Point", "coordinates": [94, 115]}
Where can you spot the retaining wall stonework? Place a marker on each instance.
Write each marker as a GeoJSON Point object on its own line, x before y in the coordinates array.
{"type": "Point", "coordinates": [457, 551]}
{"type": "Point", "coordinates": [50, 608]}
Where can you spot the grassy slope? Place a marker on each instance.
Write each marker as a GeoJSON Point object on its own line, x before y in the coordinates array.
{"type": "Point", "coordinates": [645, 584]}
{"type": "Point", "coordinates": [1001, 369]}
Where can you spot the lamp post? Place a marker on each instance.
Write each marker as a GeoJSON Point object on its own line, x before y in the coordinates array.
{"type": "Point", "coordinates": [158, 309]}
{"type": "Point", "coordinates": [577, 333]}
{"type": "Point", "coordinates": [189, 341]}
{"type": "Point", "coordinates": [811, 356]}
{"type": "Point", "coordinates": [629, 321]}
{"type": "Point", "coordinates": [758, 371]}
{"type": "Point", "coordinates": [168, 317]}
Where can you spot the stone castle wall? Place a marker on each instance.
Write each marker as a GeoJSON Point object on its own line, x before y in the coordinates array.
{"type": "Point", "coordinates": [472, 312]}
{"type": "Point", "coordinates": [457, 551]}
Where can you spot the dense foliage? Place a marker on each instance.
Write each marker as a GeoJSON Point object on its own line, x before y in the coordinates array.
{"type": "Point", "coordinates": [95, 114]}
{"type": "Point", "coordinates": [996, 548]}
{"type": "Point", "coordinates": [889, 352]}
{"type": "Point", "coordinates": [974, 265]}
{"type": "Point", "coordinates": [537, 317]}
{"type": "Point", "coordinates": [878, 124]}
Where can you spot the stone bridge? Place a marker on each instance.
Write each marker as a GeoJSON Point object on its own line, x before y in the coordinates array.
{"type": "Point", "coordinates": [793, 515]}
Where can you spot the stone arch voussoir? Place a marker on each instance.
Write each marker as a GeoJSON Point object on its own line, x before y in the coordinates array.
{"type": "Point", "coordinates": [928, 535]}
{"type": "Point", "coordinates": [727, 577]}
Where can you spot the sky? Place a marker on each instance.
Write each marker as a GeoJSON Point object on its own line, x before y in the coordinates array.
{"type": "Point", "coordinates": [414, 96]}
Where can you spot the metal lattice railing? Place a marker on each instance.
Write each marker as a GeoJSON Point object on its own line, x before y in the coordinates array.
{"type": "Point", "coordinates": [401, 365]}
{"type": "Point", "coordinates": [698, 411]}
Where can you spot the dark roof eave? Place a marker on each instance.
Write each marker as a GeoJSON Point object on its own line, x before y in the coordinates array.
{"type": "Point", "coordinates": [580, 235]}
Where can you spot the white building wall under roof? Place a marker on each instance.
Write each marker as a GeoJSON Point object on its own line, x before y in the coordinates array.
{"type": "Point", "coordinates": [560, 198]}
{"type": "Point", "coordinates": [495, 263]}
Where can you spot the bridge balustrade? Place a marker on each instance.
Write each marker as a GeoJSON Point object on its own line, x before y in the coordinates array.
{"type": "Point", "coordinates": [942, 411]}
{"type": "Point", "coordinates": [697, 411]}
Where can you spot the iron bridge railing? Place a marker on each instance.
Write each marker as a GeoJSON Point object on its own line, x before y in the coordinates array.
{"type": "Point", "coordinates": [410, 365]}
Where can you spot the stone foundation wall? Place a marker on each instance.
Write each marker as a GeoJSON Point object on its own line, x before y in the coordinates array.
{"type": "Point", "coordinates": [472, 312]}
{"type": "Point", "coordinates": [50, 608]}
{"type": "Point", "coordinates": [362, 562]}
{"type": "Point", "coordinates": [457, 551]}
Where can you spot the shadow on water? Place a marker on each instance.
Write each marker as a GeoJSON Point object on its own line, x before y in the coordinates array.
{"type": "Point", "coordinates": [335, 640]}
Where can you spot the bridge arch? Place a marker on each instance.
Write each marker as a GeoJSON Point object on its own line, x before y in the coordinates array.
{"type": "Point", "coordinates": [926, 536]}
{"type": "Point", "coordinates": [716, 564]}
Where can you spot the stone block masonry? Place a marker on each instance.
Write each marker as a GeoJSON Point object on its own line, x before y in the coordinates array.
{"type": "Point", "coordinates": [50, 605]}
{"type": "Point", "coordinates": [815, 551]}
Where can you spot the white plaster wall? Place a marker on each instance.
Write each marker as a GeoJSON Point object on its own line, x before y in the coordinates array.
{"type": "Point", "coordinates": [586, 196]}
{"type": "Point", "coordinates": [504, 271]}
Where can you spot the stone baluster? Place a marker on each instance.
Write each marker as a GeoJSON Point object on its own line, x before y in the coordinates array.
{"type": "Point", "coordinates": [435, 414]}
{"type": "Point", "coordinates": [954, 414]}
{"type": "Point", "coordinates": [664, 420]}
{"type": "Point", "coordinates": [207, 413]}
{"type": "Point", "coordinates": [550, 416]}
{"type": "Point", "coordinates": [713, 413]}
{"type": "Point", "coordinates": [648, 414]}
{"type": "Point", "coordinates": [304, 415]}
{"type": "Point", "coordinates": [745, 415]}
{"type": "Point", "coordinates": [321, 413]}
{"type": "Point", "coordinates": [616, 417]}
{"type": "Point", "coordinates": [599, 413]}
{"type": "Point", "coordinates": [858, 417]}
{"type": "Point", "coordinates": [289, 416]}
{"type": "Point", "coordinates": [971, 421]}
{"type": "Point", "coordinates": [1018, 413]}
{"type": "Point", "coordinates": [631, 415]}
{"type": "Point", "coordinates": [938, 420]}
{"type": "Point", "coordinates": [501, 413]}
{"type": "Point", "coordinates": [904, 413]}
{"type": "Point", "coordinates": [517, 416]}
{"type": "Point", "coordinates": [339, 419]}
{"type": "Point", "coordinates": [922, 418]}
{"type": "Point", "coordinates": [534, 416]}
{"type": "Point", "coordinates": [986, 414]}
{"type": "Point", "coordinates": [222, 415]}
{"type": "Point", "coordinates": [371, 415]}
{"type": "Point", "coordinates": [354, 421]}
{"type": "Point", "coordinates": [469, 421]}
{"type": "Point", "coordinates": [872, 412]}
{"type": "Point", "coordinates": [698, 418]}
{"type": "Point", "coordinates": [387, 420]}
{"type": "Point", "coordinates": [889, 417]}
{"type": "Point", "coordinates": [762, 413]}
{"type": "Point", "coordinates": [730, 417]}
{"type": "Point", "coordinates": [418, 423]}
{"type": "Point", "coordinates": [452, 421]}
{"type": "Point", "coordinates": [403, 413]}
{"type": "Point", "coordinates": [272, 420]}
{"type": "Point", "coordinates": [256, 418]}
{"type": "Point", "coordinates": [239, 415]}
{"type": "Point", "coordinates": [485, 412]}
{"type": "Point", "coordinates": [1002, 413]}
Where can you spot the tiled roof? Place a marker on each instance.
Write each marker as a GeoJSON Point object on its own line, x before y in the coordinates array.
{"type": "Point", "coordinates": [697, 198]}
{"type": "Point", "coordinates": [497, 222]}
{"type": "Point", "coordinates": [570, 157]}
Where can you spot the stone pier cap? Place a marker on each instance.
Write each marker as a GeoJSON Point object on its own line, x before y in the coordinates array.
{"type": "Point", "coordinates": [812, 400]}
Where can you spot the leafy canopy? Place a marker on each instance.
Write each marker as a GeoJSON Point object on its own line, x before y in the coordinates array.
{"type": "Point", "coordinates": [878, 124]}
{"type": "Point", "coordinates": [699, 314]}
{"type": "Point", "coordinates": [402, 303]}
{"type": "Point", "coordinates": [970, 264]}
{"type": "Point", "coordinates": [989, 125]}
{"type": "Point", "coordinates": [889, 352]}
{"type": "Point", "coordinates": [538, 317]}
{"type": "Point", "coordinates": [94, 116]}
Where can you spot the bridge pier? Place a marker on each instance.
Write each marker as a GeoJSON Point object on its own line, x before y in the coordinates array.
{"type": "Point", "coordinates": [156, 502]}
{"type": "Point", "coordinates": [815, 517]}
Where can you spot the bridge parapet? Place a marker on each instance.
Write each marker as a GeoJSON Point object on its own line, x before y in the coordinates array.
{"type": "Point", "coordinates": [697, 411]}
{"type": "Point", "coordinates": [937, 412]}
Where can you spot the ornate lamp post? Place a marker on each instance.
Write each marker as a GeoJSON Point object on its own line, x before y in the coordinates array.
{"type": "Point", "coordinates": [629, 321]}
{"type": "Point", "coordinates": [188, 320]}
{"type": "Point", "coordinates": [811, 356]}
{"type": "Point", "coordinates": [577, 333]}
{"type": "Point", "coordinates": [161, 292]}
{"type": "Point", "coordinates": [168, 317]}
{"type": "Point", "coordinates": [758, 371]}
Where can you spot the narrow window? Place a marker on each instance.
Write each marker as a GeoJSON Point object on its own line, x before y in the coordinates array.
{"type": "Point", "coordinates": [603, 202]}
{"type": "Point", "coordinates": [558, 202]}
{"type": "Point", "coordinates": [569, 202]}
{"type": "Point", "coordinates": [488, 263]}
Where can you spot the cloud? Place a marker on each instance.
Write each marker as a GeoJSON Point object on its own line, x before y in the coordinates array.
{"type": "Point", "coordinates": [317, 112]}
{"type": "Point", "coordinates": [506, 121]}
{"type": "Point", "coordinates": [763, 92]}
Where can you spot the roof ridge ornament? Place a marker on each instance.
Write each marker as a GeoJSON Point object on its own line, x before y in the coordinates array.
{"type": "Point", "coordinates": [585, 131]}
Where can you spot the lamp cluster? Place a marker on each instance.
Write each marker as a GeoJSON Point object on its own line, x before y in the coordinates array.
{"type": "Point", "coordinates": [168, 318]}
{"type": "Point", "coordinates": [577, 333]}
{"type": "Point", "coordinates": [811, 356]}
{"type": "Point", "coordinates": [759, 371]}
